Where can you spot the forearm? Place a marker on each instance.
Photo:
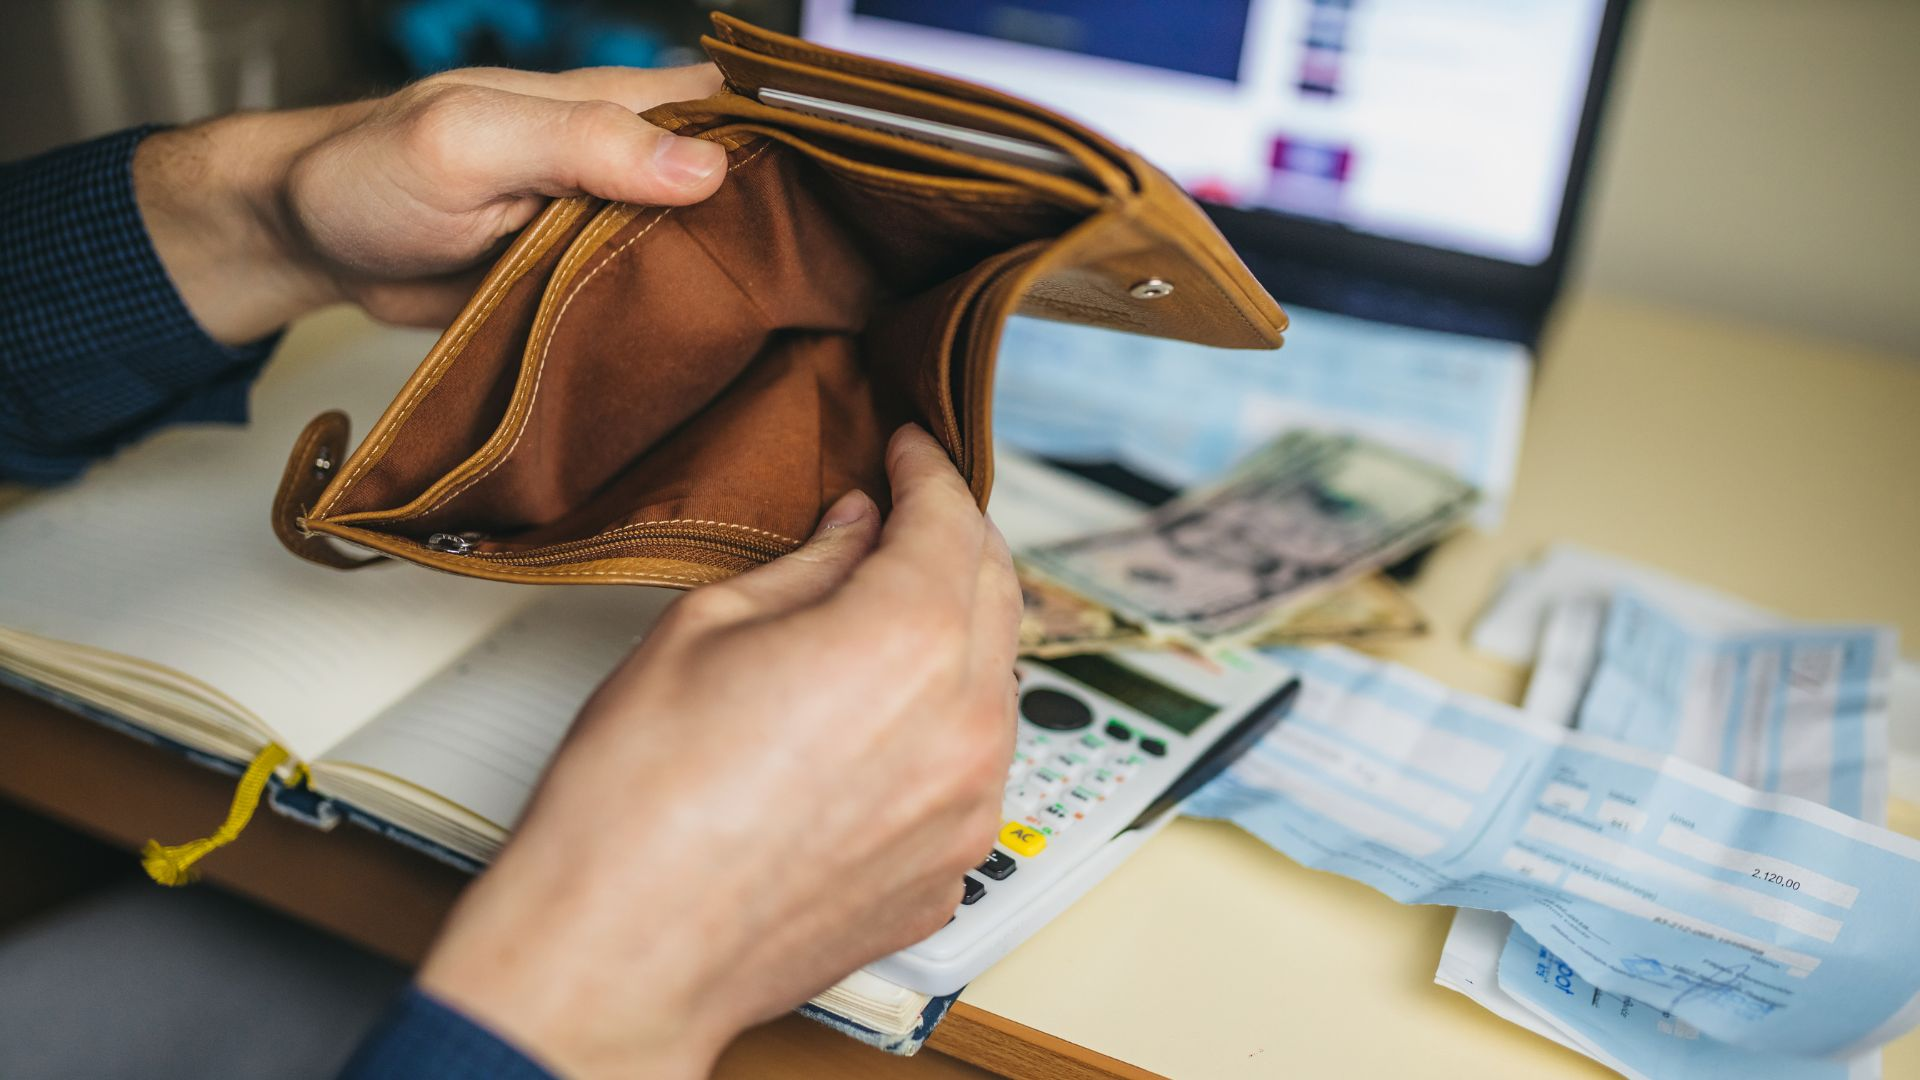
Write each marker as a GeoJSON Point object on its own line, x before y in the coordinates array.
{"type": "Point", "coordinates": [213, 197]}
{"type": "Point", "coordinates": [97, 347]}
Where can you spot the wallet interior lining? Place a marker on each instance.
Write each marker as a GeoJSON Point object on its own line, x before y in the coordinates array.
{"type": "Point", "coordinates": [734, 365]}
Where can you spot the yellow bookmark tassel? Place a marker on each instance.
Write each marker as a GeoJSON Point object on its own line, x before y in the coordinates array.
{"type": "Point", "coordinates": [173, 865]}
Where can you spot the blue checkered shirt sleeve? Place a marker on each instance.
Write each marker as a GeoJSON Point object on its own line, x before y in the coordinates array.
{"type": "Point", "coordinates": [96, 347]}
{"type": "Point", "coordinates": [422, 1039]}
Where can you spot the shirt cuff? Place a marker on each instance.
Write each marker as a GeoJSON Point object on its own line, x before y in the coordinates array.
{"type": "Point", "coordinates": [421, 1038]}
{"type": "Point", "coordinates": [97, 348]}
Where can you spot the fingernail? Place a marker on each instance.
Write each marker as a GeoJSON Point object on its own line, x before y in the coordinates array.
{"type": "Point", "coordinates": [685, 162]}
{"type": "Point", "coordinates": [847, 509]}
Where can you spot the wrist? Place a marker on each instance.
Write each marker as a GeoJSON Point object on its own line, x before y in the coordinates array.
{"type": "Point", "coordinates": [527, 955]}
{"type": "Point", "coordinates": [212, 197]}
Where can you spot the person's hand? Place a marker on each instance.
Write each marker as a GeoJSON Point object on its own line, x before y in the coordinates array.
{"type": "Point", "coordinates": [786, 780]}
{"type": "Point", "coordinates": [397, 203]}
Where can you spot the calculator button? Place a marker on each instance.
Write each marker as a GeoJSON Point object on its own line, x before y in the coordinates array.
{"type": "Point", "coordinates": [973, 890]}
{"type": "Point", "coordinates": [1156, 747]}
{"type": "Point", "coordinates": [1055, 710]}
{"type": "Point", "coordinates": [1023, 802]}
{"type": "Point", "coordinates": [1022, 839]}
{"type": "Point", "coordinates": [1047, 778]}
{"type": "Point", "coordinates": [999, 866]}
{"type": "Point", "coordinates": [1100, 781]}
{"type": "Point", "coordinates": [1092, 743]}
{"type": "Point", "coordinates": [1056, 817]}
{"type": "Point", "coordinates": [1069, 764]}
{"type": "Point", "coordinates": [1118, 730]}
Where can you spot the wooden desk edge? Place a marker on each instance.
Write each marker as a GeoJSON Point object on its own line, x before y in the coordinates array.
{"type": "Point", "coordinates": [349, 882]}
{"type": "Point", "coordinates": [1003, 1046]}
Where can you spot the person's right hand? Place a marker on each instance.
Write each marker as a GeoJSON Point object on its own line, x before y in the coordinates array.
{"type": "Point", "coordinates": [786, 780]}
{"type": "Point", "coordinates": [399, 203]}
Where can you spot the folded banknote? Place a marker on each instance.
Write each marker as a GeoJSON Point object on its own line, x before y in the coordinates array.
{"type": "Point", "coordinates": [1231, 562]}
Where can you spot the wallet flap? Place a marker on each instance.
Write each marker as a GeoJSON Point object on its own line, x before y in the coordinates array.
{"type": "Point", "coordinates": [315, 460]}
{"type": "Point", "coordinates": [1150, 263]}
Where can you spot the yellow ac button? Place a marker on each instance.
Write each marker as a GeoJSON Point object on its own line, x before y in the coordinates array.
{"type": "Point", "coordinates": [1022, 839]}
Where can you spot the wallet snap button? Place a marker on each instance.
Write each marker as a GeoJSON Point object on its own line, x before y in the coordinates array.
{"type": "Point", "coordinates": [1151, 289]}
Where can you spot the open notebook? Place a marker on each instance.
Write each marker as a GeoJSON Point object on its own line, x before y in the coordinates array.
{"type": "Point", "coordinates": [154, 594]}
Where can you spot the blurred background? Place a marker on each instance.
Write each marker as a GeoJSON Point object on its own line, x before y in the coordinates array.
{"type": "Point", "coordinates": [1757, 158]}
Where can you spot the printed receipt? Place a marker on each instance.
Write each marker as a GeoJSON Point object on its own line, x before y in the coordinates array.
{"type": "Point", "coordinates": [1799, 708]}
{"type": "Point", "coordinates": [1761, 920]}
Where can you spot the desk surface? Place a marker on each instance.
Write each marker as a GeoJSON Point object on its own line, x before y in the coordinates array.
{"type": "Point", "coordinates": [1774, 469]}
{"type": "Point", "coordinates": [1777, 470]}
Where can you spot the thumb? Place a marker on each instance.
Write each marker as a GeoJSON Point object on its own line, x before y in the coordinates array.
{"type": "Point", "coordinates": [846, 534]}
{"type": "Point", "coordinates": [517, 143]}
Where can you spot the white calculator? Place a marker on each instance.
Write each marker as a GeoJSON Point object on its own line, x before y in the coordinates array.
{"type": "Point", "coordinates": [1108, 743]}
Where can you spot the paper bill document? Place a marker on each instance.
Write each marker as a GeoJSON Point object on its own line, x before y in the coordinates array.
{"type": "Point", "coordinates": [1799, 708]}
{"type": "Point", "coordinates": [1556, 612]}
{"type": "Point", "coordinates": [1183, 413]}
{"type": "Point", "coordinates": [1640, 1040]}
{"type": "Point", "coordinates": [1514, 626]}
{"type": "Point", "coordinates": [1228, 563]}
{"type": "Point", "coordinates": [1763, 921]}
{"type": "Point", "coordinates": [1794, 708]}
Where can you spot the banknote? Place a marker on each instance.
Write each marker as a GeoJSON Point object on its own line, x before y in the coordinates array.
{"type": "Point", "coordinates": [1230, 562]}
{"type": "Point", "coordinates": [1056, 621]}
{"type": "Point", "coordinates": [1364, 609]}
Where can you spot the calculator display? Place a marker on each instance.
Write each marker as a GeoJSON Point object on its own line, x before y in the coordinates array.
{"type": "Point", "coordinates": [1176, 709]}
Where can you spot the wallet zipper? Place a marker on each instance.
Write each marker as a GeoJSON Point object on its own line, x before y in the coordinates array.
{"type": "Point", "coordinates": [468, 545]}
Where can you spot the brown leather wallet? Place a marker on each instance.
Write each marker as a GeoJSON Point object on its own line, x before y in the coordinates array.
{"type": "Point", "coordinates": [672, 395]}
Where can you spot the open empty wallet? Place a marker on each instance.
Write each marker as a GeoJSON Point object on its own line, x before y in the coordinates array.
{"type": "Point", "coordinates": [672, 395]}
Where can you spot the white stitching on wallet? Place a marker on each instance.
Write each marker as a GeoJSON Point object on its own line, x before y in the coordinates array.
{"type": "Point", "coordinates": [540, 369]}
{"type": "Point", "coordinates": [499, 287]}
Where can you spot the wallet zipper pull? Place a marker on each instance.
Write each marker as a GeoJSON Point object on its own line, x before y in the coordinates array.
{"type": "Point", "coordinates": [450, 543]}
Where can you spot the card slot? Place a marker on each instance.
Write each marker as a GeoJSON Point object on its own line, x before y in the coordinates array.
{"type": "Point", "coordinates": [731, 31]}
{"type": "Point", "coordinates": [719, 113]}
{"type": "Point", "coordinates": [750, 72]}
{"type": "Point", "coordinates": [873, 173]}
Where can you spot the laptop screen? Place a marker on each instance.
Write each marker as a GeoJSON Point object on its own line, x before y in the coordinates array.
{"type": "Point", "coordinates": [1450, 124]}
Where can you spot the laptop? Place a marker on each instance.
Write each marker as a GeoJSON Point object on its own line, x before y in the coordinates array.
{"type": "Point", "coordinates": [1399, 165]}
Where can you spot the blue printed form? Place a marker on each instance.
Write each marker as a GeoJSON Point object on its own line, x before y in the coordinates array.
{"type": "Point", "coordinates": [1640, 1039]}
{"type": "Point", "coordinates": [1800, 709]}
{"type": "Point", "coordinates": [1761, 920]}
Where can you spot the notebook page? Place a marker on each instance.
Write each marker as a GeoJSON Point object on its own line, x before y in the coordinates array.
{"type": "Point", "coordinates": [479, 733]}
{"type": "Point", "coordinates": [165, 553]}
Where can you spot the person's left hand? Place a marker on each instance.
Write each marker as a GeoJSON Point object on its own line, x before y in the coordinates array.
{"type": "Point", "coordinates": [397, 204]}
